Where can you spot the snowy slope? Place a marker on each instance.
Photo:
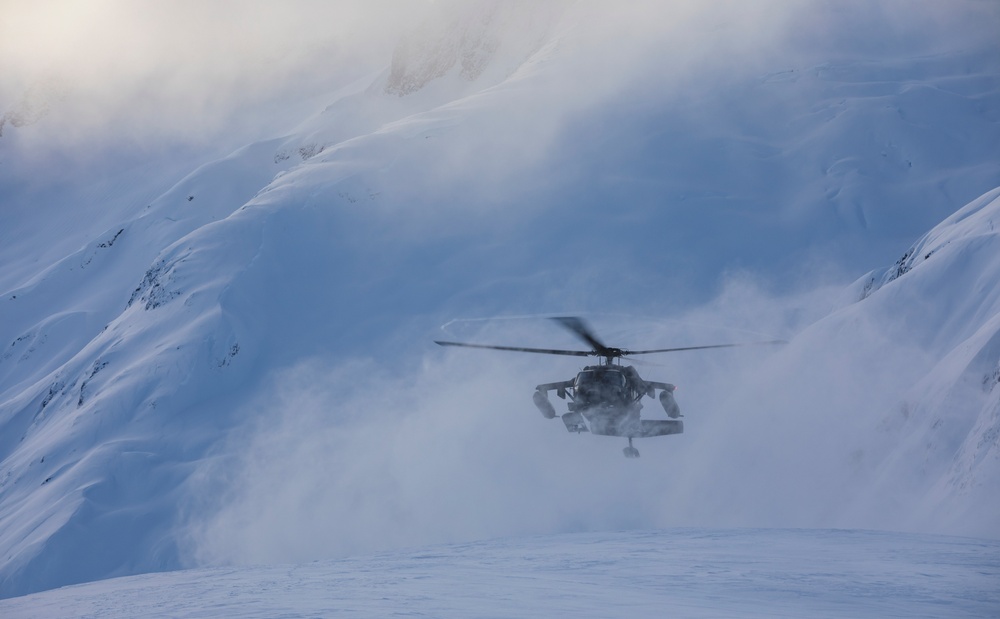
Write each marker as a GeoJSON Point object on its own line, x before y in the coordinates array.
{"type": "Point", "coordinates": [137, 387]}
{"type": "Point", "coordinates": [683, 572]}
{"type": "Point", "coordinates": [880, 414]}
{"type": "Point", "coordinates": [945, 434]}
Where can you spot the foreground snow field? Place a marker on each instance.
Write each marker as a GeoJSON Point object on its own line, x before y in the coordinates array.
{"type": "Point", "coordinates": [680, 572]}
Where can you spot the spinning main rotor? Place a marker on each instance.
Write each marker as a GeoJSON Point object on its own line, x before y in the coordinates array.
{"type": "Point", "coordinates": [580, 328]}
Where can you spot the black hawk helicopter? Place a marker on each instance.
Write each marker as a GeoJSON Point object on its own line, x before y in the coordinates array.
{"type": "Point", "coordinates": [604, 399]}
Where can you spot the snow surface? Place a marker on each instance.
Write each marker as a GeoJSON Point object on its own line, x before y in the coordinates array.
{"type": "Point", "coordinates": [681, 572]}
{"type": "Point", "coordinates": [224, 358]}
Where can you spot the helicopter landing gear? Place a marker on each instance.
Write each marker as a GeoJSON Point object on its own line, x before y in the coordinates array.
{"type": "Point", "coordinates": [630, 452]}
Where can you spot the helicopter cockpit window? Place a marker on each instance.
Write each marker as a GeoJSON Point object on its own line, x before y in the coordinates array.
{"type": "Point", "coordinates": [589, 378]}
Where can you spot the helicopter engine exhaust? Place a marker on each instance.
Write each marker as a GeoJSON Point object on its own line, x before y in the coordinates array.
{"type": "Point", "coordinates": [542, 402]}
{"type": "Point", "coordinates": [669, 404]}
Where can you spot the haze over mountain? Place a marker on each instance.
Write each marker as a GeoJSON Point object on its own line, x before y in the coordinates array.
{"type": "Point", "coordinates": [217, 310]}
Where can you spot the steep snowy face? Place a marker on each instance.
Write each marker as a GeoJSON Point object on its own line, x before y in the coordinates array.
{"type": "Point", "coordinates": [941, 444]}
{"type": "Point", "coordinates": [885, 412]}
{"type": "Point", "coordinates": [975, 223]}
{"type": "Point", "coordinates": [504, 180]}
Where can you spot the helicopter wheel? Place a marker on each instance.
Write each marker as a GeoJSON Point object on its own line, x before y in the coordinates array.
{"type": "Point", "coordinates": [630, 452]}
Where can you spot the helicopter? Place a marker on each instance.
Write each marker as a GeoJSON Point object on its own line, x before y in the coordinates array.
{"type": "Point", "coordinates": [605, 399]}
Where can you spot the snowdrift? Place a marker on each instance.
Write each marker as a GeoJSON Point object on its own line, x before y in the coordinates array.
{"type": "Point", "coordinates": [690, 572]}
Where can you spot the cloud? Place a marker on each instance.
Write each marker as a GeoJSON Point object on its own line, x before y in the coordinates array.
{"type": "Point", "coordinates": [348, 458]}
{"type": "Point", "coordinates": [180, 68]}
{"type": "Point", "coordinates": [187, 70]}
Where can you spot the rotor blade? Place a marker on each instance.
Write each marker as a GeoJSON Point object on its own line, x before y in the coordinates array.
{"type": "Point", "coordinates": [643, 362]}
{"type": "Point", "coordinates": [646, 352]}
{"type": "Point", "coordinates": [544, 351]}
{"type": "Point", "coordinates": [582, 330]}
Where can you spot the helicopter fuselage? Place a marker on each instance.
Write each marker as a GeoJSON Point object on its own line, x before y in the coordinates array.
{"type": "Point", "coordinates": [606, 400]}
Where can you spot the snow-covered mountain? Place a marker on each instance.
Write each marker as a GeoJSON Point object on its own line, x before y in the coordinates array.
{"type": "Point", "coordinates": [944, 433]}
{"type": "Point", "coordinates": [227, 360]}
{"type": "Point", "coordinates": [887, 405]}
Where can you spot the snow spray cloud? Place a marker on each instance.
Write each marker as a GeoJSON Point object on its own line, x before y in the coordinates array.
{"type": "Point", "coordinates": [372, 462]}
{"type": "Point", "coordinates": [347, 459]}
